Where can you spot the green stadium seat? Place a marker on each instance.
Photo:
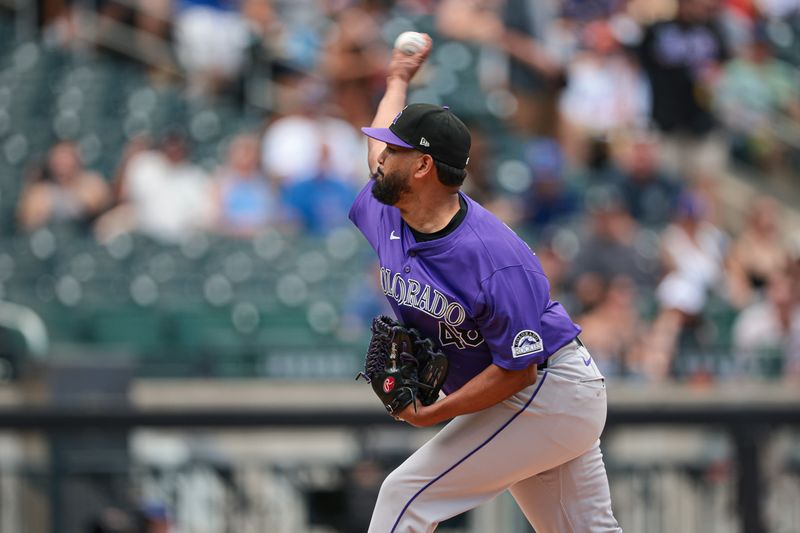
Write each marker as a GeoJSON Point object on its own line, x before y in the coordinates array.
{"type": "Point", "coordinates": [65, 324]}
{"type": "Point", "coordinates": [140, 329]}
{"type": "Point", "coordinates": [205, 328]}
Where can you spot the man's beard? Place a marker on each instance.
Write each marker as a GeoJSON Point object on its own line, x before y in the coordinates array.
{"type": "Point", "coordinates": [389, 188]}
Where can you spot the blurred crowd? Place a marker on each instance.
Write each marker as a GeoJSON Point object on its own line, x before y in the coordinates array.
{"type": "Point", "coordinates": [617, 122]}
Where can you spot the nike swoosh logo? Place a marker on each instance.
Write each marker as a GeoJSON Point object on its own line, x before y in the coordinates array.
{"type": "Point", "coordinates": [393, 237]}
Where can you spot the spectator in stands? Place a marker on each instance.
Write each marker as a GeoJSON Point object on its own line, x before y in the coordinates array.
{"type": "Point", "coordinates": [613, 329]}
{"type": "Point", "coordinates": [649, 192]}
{"type": "Point", "coordinates": [293, 144]}
{"type": "Point", "coordinates": [758, 252]}
{"type": "Point", "coordinates": [265, 55]}
{"type": "Point", "coordinates": [310, 151]}
{"type": "Point", "coordinates": [516, 29]}
{"type": "Point", "coordinates": [787, 26]}
{"type": "Point", "coordinates": [778, 9]}
{"type": "Point", "coordinates": [211, 39]}
{"type": "Point", "coordinates": [756, 92]}
{"type": "Point", "coordinates": [588, 12]}
{"type": "Point", "coordinates": [609, 248]}
{"type": "Point", "coordinates": [244, 200]}
{"type": "Point", "coordinates": [58, 22]}
{"type": "Point", "coordinates": [556, 250]}
{"type": "Point", "coordinates": [692, 251]}
{"type": "Point", "coordinates": [62, 191]}
{"type": "Point", "coordinates": [682, 59]}
{"type": "Point", "coordinates": [605, 92]}
{"type": "Point", "coordinates": [153, 17]}
{"type": "Point", "coordinates": [136, 145]}
{"type": "Point", "coordinates": [354, 59]}
{"type": "Point", "coordinates": [600, 167]}
{"type": "Point", "coordinates": [163, 194]}
{"type": "Point", "coordinates": [551, 200]}
{"type": "Point", "coordinates": [262, 19]}
{"type": "Point", "coordinates": [536, 69]}
{"type": "Point", "coordinates": [140, 29]}
{"type": "Point", "coordinates": [650, 10]}
{"type": "Point", "coordinates": [766, 334]}
{"type": "Point", "coordinates": [737, 19]}
{"type": "Point", "coordinates": [321, 202]}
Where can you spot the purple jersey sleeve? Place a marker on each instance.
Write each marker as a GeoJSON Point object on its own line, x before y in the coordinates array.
{"type": "Point", "coordinates": [512, 303]}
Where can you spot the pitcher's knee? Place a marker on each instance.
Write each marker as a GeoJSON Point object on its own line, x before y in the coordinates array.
{"type": "Point", "coordinates": [397, 506]}
{"type": "Point", "coordinates": [395, 490]}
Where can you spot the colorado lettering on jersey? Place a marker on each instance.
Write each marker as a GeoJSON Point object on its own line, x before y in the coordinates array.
{"type": "Point", "coordinates": [411, 293]}
{"type": "Point", "coordinates": [430, 301]}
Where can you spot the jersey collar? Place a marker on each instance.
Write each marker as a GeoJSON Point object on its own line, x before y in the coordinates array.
{"type": "Point", "coordinates": [444, 243]}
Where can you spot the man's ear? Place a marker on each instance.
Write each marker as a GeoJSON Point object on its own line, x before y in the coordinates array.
{"type": "Point", "coordinates": [424, 166]}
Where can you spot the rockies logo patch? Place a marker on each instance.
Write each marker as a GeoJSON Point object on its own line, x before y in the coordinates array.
{"type": "Point", "coordinates": [526, 342]}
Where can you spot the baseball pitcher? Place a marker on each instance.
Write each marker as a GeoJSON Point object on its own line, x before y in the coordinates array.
{"type": "Point", "coordinates": [525, 402]}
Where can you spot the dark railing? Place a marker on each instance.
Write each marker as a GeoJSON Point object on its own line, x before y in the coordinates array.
{"type": "Point", "coordinates": [746, 424]}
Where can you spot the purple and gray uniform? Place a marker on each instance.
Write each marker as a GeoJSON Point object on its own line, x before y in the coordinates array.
{"type": "Point", "coordinates": [480, 293]}
{"type": "Point", "coordinates": [480, 307]}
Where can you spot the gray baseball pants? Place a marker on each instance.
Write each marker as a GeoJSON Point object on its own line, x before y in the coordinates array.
{"type": "Point", "coordinates": [542, 445]}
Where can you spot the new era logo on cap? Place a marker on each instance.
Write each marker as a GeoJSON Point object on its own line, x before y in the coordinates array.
{"type": "Point", "coordinates": [441, 134]}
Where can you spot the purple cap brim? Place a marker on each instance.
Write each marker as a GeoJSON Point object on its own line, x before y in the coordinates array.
{"type": "Point", "coordinates": [385, 135]}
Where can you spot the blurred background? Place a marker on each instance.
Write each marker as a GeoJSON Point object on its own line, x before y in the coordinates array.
{"type": "Point", "coordinates": [184, 304]}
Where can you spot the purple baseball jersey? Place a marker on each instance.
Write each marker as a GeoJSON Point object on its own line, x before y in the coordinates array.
{"type": "Point", "coordinates": [478, 292]}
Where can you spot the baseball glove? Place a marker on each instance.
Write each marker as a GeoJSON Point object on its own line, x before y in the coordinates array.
{"type": "Point", "coordinates": [402, 366]}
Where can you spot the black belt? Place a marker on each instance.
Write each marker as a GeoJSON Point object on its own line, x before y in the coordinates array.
{"type": "Point", "coordinates": [543, 364]}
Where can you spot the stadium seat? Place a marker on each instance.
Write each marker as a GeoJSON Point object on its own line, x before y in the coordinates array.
{"type": "Point", "coordinates": [135, 327]}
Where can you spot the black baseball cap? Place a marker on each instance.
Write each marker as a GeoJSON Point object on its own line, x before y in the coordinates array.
{"type": "Point", "coordinates": [432, 130]}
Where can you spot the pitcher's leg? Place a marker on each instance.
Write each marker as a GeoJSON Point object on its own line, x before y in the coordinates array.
{"type": "Point", "coordinates": [571, 498]}
{"type": "Point", "coordinates": [455, 471]}
{"type": "Point", "coordinates": [477, 456]}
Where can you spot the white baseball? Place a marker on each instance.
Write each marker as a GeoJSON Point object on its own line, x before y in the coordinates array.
{"type": "Point", "coordinates": [410, 42]}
